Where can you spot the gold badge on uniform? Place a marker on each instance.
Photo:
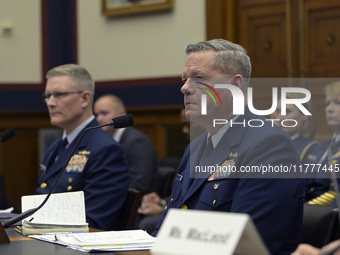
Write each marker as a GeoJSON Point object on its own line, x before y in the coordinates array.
{"type": "Point", "coordinates": [312, 157]}
{"type": "Point", "coordinates": [233, 155]}
{"type": "Point", "coordinates": [76, 164]}
{"type": "Point", "coordinates": [84, 152]}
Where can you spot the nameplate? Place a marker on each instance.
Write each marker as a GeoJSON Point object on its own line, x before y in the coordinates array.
{"type": "Point", "coordinates": [194, 232]}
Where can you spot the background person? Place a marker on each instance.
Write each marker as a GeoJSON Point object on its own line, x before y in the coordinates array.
{"type": "Point", "coordinates": [307, 249]}
{"type": "Point", "coordinates": [98, 166]}
{"type": "Point", "coordinates": [138, 149]}
{"type": "Point", "coordinates": [303, 132]}
{"type": "Point", "coordinates": [320, 188]}
{"type": "Point", "coordinates": [151, 210]}
{"type": "Point", "coordinates": [265, 200]}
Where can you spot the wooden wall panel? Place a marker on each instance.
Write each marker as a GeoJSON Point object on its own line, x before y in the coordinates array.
{"type": "Point", "coordinates": [221, 17]}
{"type": "Point", "coordinates": [322, 38]}
{"type": "Point", "coordinates": [19, 156]}
{"type": "Point", "coordinates": [262, 30]}
{"type": "Point", "coordinates": [285, 38]}
{"type": "Point", "coordinates": [160, 124]}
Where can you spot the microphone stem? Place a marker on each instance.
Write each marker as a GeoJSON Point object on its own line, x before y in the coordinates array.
{"type": "Point", "coordinates": [69, 158]}
{"type": "Point", "coordinates": [336, 189]}
{"type": "Point", "coordinates": [333, 174]}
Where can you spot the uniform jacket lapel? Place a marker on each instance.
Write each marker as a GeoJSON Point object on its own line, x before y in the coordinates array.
{"type": "Point", "coordinates": [56, 166]}
{"type": "Point", "coordinates": [222, 152]}
{"type": "Point", "coordinates": [195, 150]}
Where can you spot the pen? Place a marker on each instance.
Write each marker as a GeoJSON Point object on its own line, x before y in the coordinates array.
{"type": "Point", "coordinates": [17, 229]}
{"type": "Point", "coordinates": [63, 233]}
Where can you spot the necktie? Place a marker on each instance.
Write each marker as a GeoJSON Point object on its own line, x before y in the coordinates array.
{"type": "Point", "coordinates": [61, 147]}
{"type": "Point", "coordinates": [208, 149]}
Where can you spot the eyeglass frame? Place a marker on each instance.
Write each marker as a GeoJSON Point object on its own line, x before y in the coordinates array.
{"type": "Point", "coordinates": [57, 95]}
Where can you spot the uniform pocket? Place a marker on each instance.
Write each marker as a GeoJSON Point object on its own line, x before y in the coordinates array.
{"type": "Point", "coordinates": [218, 193]}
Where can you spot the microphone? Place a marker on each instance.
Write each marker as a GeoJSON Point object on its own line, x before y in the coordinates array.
{"type": "Point", "coordinates": [121, 121]}
{"type": "Point", "coordinates": [118, 122]}
{"type": "Point", "coordinates": [9, 133]}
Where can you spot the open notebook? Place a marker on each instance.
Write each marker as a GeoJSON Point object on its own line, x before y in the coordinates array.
{"type": "Point", "coordinates": [63, 212]}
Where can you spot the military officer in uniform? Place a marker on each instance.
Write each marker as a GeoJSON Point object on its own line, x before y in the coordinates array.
{"type": "Point", "coordinates": [303, 132]}
{"type": "Point", "coordinates": [275, 204]}
{"type": "Point", "coordinates": [98, 166]}
{"type": "Point", "coordinates": [320, 190]}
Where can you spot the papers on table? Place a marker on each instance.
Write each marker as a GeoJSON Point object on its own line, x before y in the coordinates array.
{"type": "Point", "coordinates": [8, 210]}
{"type": "Point", "coordinates": [31, 228]}
{"type": "Point", "coordinates": [126, 240]}
{"type": "Point", "coordinates": [7, 213]}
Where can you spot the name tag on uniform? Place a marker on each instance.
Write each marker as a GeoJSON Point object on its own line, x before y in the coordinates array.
{"type": "Point", "coordinates": [42, 167]}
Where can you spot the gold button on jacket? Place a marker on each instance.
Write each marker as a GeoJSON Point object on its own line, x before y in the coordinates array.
{"type": "Point", "coordinates": [184, 207]}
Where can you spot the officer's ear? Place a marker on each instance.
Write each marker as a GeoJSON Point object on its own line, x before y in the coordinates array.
{"type": "Point", "coordinates": [86, 98]}
{"type": "Point", "coordinates": [238, 81]}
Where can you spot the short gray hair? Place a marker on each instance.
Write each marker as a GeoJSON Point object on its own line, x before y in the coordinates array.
{"type": "Point", "coordinates": [229, 58]}
{"type": "Point", "coordinates": [81, 78]}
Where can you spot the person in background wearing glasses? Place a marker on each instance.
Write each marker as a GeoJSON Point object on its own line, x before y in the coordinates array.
{"type": "Point", "coordinates": [98, 167]}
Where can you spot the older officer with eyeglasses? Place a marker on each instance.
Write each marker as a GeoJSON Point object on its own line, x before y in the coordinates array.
{"type": "Point", "coordinates": [98, 166]}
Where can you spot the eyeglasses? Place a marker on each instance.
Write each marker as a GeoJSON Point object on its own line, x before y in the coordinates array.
{"type": "Point", "coordinates": [58, 95]}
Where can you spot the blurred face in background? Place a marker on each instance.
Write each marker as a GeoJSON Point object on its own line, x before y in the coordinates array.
{"type": "Point", "coordinates": [332, 109]}
{"type": "Point", "coordinates": [105, 110]}
{"type": "Point", "coordinates": [292, 112]}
